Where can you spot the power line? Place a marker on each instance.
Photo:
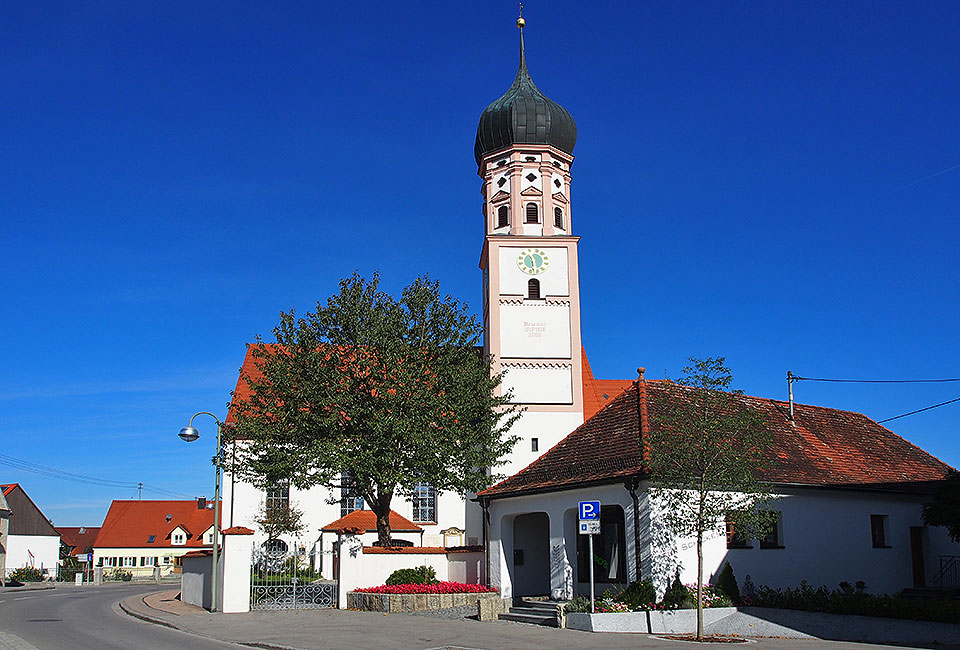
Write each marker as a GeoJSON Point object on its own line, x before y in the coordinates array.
{"type": "Point", "coordinates": [927, 408]}
{"type": "Point", "coordinates": [878, 381]}
{"type": "Point", "coordinates": [50, 472]}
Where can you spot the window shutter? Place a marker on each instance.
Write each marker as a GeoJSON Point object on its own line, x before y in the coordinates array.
{"type": "Point", "coordinates": [558, 217]}
{"type": "Point", "coordinates": [533, 289]}
{"type": "Point", "coordinates": [503, 217]}
{"type": "Point", "coordinates": [532, 216]}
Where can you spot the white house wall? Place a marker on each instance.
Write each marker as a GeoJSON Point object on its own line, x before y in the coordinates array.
{"type": "Point", "coordinates": [45, 549]}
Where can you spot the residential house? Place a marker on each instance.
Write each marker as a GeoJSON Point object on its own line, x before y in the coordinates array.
{"type": "Point", "coordinates": [77, 541]}
{"type": "Point", "coordinates": [137, 536]}
{"type": "Point", "coordinates": [32, 540]}
{"type": "Point", "coordinates": [4, 529]}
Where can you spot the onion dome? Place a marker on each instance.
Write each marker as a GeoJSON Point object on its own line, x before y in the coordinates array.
{"type": "Point", "coordinates": [524, 115]}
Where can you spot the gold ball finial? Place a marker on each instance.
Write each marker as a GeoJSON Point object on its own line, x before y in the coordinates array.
{"type": "Point", "coordinates": [521, 23]}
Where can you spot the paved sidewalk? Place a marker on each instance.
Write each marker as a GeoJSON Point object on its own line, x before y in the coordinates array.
{"type": "Point", "coordinates": [168, 602]}
{"type": "Point", "coordinates": [30, 586]}
{"type": "Point", "coordinates": [326, 628]}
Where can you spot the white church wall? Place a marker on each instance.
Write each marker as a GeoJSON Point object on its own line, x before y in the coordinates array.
{"type": "Point", "coordinates": [547, 427]}
{"type": "Point", "coordinates": [535, 330]}
{"type": "Point", "coordinates": [538, 384]}
{"type": "Point", "coordinates": [554, 281]}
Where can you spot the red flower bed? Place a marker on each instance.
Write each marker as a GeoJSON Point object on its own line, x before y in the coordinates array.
{"type": "Point", "coordinates": [437, 588]}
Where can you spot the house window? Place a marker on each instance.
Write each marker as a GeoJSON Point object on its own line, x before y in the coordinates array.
{"type": "Point", "coordinates": [532, 214]}
{"type": "Point", "coordinates": [350, 498]}
{"type": "Point", "coordinates": [129, 561]}
{"type": "Point", "coordinates": [424, 502]}
{"type": "Point", "coordinates": [735, 536]}
{"type": "Point", "coordinates": [278, 498]}
{"type": "Point", "coordinates": [558, 217]}
{"type": "Point", "coordinates": [179, 539]}
{"type": "Point", "coordinates": [878, 530]}
{"type": "Point", "coordinates": [166, 559]}
{"type": "Point", "coordinates": [534, 444]}
{"type": "Point", "coordinates": [609, 560]}
{"type": "Point", "coordinates": [151, 539]}
{"type": "Point", "coordinates": [503, 216]}
{"type": "Point", "coordinates": [773, 538]}
{"type": "Point", "coordinates": [533, 289]}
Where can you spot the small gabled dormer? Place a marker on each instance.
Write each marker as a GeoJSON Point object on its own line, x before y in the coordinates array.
{"type": "Point", "coordinates": [179, 536]}
{"type": "Point", "coordinates": [207, 538]}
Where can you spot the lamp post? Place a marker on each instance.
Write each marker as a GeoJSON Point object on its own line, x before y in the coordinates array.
{"type": "Point", "coordinates": [189, 434]}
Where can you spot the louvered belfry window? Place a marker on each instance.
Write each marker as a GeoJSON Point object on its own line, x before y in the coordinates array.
{"type": "Point", "coordinates": [558, 217]}
{"type": "Point", "coordinates": [532, 216]}
{"type": "Point", "coordinates": [503, 217]}
{"type": "Point", "coordinates": [533, 289]}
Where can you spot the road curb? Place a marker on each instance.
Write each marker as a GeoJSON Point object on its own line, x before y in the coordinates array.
{"type": "Point", "coordinates": [26, 587]}
{"type": "Point", "coordinates": [132, 611]}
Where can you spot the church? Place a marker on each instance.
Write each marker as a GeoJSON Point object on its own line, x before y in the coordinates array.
{"type": "Point", "coordinates": [850, 490]}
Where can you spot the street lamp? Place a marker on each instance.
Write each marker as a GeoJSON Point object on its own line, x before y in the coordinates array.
{"type": "Point", "coordinates": [189, 434]}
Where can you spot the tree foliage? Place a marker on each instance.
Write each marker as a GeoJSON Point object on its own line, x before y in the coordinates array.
{"type": "Point", "coordinates": [393, 391]}
{"type": "Point", "coordinates": [706, 450]}
{"type": "Point", "coordinates": [943, 509]}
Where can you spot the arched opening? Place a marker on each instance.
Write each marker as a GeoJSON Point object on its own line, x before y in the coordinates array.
{"type": "Point", "coordinates": [558, 217]}
{"type": "Point", "coordinates": [533, 289]}
{"type": "Point", "coordinates": [533, 216]}
{"type": "Point", "coordinates": [503, 216]}
{"type": "Point", "coordinates": [531, 554]}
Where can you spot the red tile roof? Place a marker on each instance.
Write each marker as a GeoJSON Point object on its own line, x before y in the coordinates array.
{"type": "Point", "coordinates": [825, 447]}
{"type": "Point", "coordinates": [251, 369]}
{"type": "Point", "coordinates": [8, 488]}
{"type": "Point", "coordinates": [597, 393]}
{"type": "Point", "coordinates": [400, 550]}
{"type": "Point", "coordinates": [366, 520]}
{"type": "Point", "coordinates": [81, 538]}
{"type": "Point", "coordinates": [129, 524]}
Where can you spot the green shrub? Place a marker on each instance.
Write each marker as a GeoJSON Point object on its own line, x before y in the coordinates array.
{"type": "Point", "coordinates": [639, 594]}
{"type": "Point", "coordinates": [677, 596]}
{"type": "Point", "coordinates": [422, 575]}
{"type": "Point", "coordinates": [578, 604]}
{"type": "Point", "coordinates": [26, 574]}
{"type": "Point", "coordinates": [118, 574]}
{"type": "Point", "coordinates": [727, 583]}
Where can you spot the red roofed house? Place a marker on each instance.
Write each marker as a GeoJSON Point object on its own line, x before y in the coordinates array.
{"type": "Point", "coordinates": [851, 493]}
{"type": "Point", "coordinates": [138, 535]}
{"type": "Point", "coordinates": [32, 541]}
{"type": "Point", "coordinates": [77, 541]}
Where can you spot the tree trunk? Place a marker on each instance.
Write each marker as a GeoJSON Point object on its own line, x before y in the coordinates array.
{"type": "Point", "coordinates": [700, 584]}
{"type": "Point", "coordinates": [381, 508]}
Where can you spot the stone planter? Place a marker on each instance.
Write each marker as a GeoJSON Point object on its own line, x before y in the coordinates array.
{"type": "Point", "coordinates": [488, 602]}
{"type": "Point", "coordinates": [677, 621]}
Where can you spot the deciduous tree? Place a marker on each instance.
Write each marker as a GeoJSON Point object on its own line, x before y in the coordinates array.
{"type": "Point", "coordinates": [394, 391]}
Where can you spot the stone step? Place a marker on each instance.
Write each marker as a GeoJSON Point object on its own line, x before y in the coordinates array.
{"type": "Point", "coordinates": [544, 605]}
{"type": "Point", "coordinates": [531, 618]}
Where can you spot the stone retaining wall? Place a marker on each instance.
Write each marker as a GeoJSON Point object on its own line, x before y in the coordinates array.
{"type": "Point", "coordinates": [419, 602]}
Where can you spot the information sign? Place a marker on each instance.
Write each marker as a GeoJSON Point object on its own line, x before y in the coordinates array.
{"type": "Point", "coordinates": [589, 527]}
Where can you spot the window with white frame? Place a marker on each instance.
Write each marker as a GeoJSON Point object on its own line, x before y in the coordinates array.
{"type": "Point", "coordinates": [424, 503]}
{"type": "Point", "coordinates": [167, 559]}
{"type": "Point", "coordinates": [129, 561]}
{"type": "Point", "coordinates": [350, 498]}
{"type": "Point", "coordinates": [179, 539]}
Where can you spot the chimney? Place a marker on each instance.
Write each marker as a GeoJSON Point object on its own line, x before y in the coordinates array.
{"type": "Point", "coordinates": [169, 517]}
{"type": "Point", "coordinates": [201, 503]}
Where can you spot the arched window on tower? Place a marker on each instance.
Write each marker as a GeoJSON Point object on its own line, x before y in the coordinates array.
{"type": "Point", "coordinates": [503, 216]}
{"type": "Point", "coordinates": [532, 214]}
{"type": "Point", "coordinates": [558, 217]}
{"type": "Point", "coordinates": [533, 289]}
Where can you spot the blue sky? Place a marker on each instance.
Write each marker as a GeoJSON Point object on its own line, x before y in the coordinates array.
{"type": "Point", "coordinates": [773, 182]}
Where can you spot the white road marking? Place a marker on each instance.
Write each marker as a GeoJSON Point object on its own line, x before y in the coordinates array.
{"type": "Point", "coordinates": [25, 598]}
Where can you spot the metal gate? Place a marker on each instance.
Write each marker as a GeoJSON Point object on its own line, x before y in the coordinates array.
{"type": "Point", "coordinates": [283, 577]}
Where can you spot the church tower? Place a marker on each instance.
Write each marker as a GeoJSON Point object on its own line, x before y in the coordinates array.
{"type": "Point", "coordinates": [531, 302]}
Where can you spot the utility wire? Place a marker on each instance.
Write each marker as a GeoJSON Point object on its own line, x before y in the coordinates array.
{"type": "Point", "coordinates": [51, 472]}
{"type": "Point", "coordinates": [878, 381]}
{"type": "Point", "coordinates": [903, 415]}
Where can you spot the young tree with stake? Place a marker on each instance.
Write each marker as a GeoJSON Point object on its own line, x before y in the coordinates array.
{"type": "Point", "coordinates": [706, 449]}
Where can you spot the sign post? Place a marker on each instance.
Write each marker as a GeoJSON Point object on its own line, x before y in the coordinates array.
{"type": "Point", "coordinates": [590, 526]}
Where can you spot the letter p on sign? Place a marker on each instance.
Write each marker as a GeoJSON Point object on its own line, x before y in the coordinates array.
{"type": "Point", "coordinates": [589, 510]}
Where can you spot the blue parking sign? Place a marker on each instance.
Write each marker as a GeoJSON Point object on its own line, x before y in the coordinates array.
{"type": "Point", "coordinates": [589, 510]}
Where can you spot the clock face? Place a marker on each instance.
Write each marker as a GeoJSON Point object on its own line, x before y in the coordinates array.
{"type": "Point", "coordinates": [533, 261]}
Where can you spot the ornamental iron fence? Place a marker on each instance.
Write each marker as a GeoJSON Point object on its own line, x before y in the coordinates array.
{"type": "Point", "coordinates": [282, 576]}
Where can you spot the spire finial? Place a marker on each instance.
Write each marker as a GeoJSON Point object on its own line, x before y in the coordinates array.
{"type": "Point", "coordinates": [521, 23]}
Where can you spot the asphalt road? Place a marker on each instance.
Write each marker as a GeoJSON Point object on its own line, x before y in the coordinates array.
{"type": "Point", "coordinates": [87, 618]}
